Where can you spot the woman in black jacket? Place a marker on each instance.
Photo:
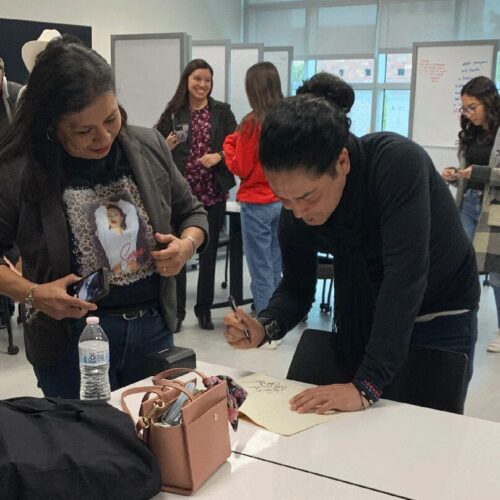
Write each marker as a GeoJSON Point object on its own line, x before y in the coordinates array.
{"type": "Point", "coordinates": [194, 126]}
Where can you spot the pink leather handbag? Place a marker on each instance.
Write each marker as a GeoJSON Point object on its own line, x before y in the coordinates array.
{"type": "Point", "coordinates": [187, 453]}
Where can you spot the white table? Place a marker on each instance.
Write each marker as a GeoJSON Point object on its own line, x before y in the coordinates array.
{"type": "Point", "coordinates": [390, 450]}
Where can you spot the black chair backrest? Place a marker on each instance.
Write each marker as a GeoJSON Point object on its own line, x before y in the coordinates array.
{"type": "Point", "coordinates": [433, 378]}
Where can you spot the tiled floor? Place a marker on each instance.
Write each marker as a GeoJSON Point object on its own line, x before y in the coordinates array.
{"type": "Point", "coordinates": [17, 379]}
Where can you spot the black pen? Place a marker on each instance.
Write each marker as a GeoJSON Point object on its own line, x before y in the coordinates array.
{"type": "Point", "coordinates": [232, 303]}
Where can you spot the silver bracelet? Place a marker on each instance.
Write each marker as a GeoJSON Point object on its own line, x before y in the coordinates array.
{"type": "Point", "coordinates": [191, 239]}
{"type": "Point", "coordinates": [29, 305]}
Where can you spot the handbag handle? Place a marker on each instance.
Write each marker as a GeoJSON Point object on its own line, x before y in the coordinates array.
{"type": "Point", "coordinates": [143, 421]}
{"type": "Point", "coordinates": [159, 379]}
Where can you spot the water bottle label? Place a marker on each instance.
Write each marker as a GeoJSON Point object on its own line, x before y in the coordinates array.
{"type": "Point", "coordinates": [94, 358]}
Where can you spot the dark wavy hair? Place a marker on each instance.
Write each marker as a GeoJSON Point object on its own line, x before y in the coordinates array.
{"type": "Point", "coordinates": [181, 96]}
{"type": "Point", "coordinates": [66, 78]}
{"type": "Point", "coordinates": [485, 91]}
{"type": "Point", "coordinates": [303, 132]}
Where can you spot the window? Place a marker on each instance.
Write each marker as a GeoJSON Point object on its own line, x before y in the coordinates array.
{"type": "Point", "coordinates": [393, 90]}
{"type": "Point", "coordinates": [351, 70]}
{"type": "Point", "coordinates": [396, 111]}
{"type": "Point", "coordinates": [361, 112]}
{"type": "Point", "coordinates": [297, 75]}
{"type": "Point", "coordinates": [397, 68]}
{"type": "Point", "coordinates": [301, 70]}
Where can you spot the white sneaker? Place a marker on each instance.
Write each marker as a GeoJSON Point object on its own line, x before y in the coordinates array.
{"type": "Point", "coordinates": [494, 346]}
{"type": "Point", "coordinates": [274, 344]}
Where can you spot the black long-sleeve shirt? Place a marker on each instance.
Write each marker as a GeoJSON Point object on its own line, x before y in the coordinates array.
{"type": "Point", "coordinates": [418, 257]}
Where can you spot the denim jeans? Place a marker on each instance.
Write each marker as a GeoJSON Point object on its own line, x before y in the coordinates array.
{"type": "Point", "coordinates": [129, 342]}
{"type": "Point", "coordinates": [259, 224]}
{"type": "Point", "coordinates": [457, 333]}
{"type": "Point", "coordinates": [470, 211]}
{"type": "Point", "coordinates": [469, 215]}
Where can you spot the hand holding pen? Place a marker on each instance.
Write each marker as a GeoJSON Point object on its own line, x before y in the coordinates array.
{"type": "Point", "coordinates": [241, 330]}
{"type": "Point", "coordinates": [232, 303]}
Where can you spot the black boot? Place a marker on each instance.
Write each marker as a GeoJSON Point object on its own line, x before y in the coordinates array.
{"type": "Point", "coordinates": [178, 325]}
{"type": "Point", "coordinates": [205, 320]}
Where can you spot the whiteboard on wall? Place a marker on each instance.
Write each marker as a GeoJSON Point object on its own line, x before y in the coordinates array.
{"type": "Point", "coordinates": [217, 54]}
{"type": "Point", "coordinates": [440, 70]}
{"type": "Point", "coordinates": [147, 71]}
{"type": "Point", "coordinates": [282, 58]}
{"type": "Point", "coordinates": [242, 57]}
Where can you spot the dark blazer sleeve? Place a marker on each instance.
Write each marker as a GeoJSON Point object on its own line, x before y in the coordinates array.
{"type": "Point", "coordinates": [225, 124]}
{"type": "Point", "coordinates": [164, 125]}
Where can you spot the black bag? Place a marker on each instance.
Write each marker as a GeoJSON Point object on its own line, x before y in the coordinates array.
{"type": "Point", "coordinates": [52, 448]}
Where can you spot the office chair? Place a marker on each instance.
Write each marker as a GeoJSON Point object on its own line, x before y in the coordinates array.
{"type": "Point", "coordinates": [432, 378]}
{"type": "Point", "coordinates": [325, 274]}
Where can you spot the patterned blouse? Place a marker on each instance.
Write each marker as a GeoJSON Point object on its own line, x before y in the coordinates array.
{"type": "Point", "coordinates": [200, 178]}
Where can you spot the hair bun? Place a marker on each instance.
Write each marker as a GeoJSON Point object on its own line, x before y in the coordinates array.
{"type": "Point", "coordinates": [330, 87]}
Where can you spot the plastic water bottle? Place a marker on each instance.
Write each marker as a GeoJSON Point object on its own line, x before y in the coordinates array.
{"type": "Point", "coordinates": [93, 349]}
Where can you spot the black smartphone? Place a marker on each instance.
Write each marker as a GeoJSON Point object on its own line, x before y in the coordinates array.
{"type": "Point", "coordinates": [92, 287]}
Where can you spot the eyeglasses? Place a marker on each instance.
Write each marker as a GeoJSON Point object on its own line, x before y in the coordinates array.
{"type": "Point", "coordinates": [465, 110]}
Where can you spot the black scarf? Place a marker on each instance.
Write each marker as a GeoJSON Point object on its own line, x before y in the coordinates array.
{"type": "Point", "coordinates": [346, 235]}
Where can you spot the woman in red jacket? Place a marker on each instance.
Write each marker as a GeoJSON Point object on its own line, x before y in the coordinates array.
{"type": "Point", "coordinates": [260, 207]}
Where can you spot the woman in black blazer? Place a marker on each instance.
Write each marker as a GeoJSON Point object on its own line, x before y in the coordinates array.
{"type": "Point", "coordinates": [194, 126]}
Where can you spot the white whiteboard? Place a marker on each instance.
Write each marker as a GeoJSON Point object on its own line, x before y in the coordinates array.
{"type": "Point", "coordinates": [217, 55]}
{"type": "Point", "coordinates": [242, 57]}
{"type": "Point", "coordinates": [282, 58]}
{"type": "Point", "coordinates": [439, 73]}
{"type": "Point", "coordinates": [147, 71]}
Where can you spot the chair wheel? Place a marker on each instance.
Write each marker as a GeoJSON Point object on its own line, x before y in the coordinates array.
{"type": "Point", "coordinates": [223, 285]}
{"type": "Point", "coordinates": [13, 349]}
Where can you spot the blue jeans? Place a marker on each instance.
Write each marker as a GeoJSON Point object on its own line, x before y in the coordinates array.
{"type": "Point", "coordinates": [259, 225]}
{"type": "Point", "coordinates": [129, 342]}
{"type": "Point", "coordinates": [469, 215]}
{"type": "Point", "coordinates": [457, 333]}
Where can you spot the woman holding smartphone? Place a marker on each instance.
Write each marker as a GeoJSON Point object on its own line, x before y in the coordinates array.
{"type": "Point", "coordinates": [478, 179]}
{"type": "Point", "coordinates": [68, 155]}
{"type": "Point", "coordinates": [198, 155]}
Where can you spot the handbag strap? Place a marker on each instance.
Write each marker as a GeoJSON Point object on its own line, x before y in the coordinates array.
{"type": "Point", "coordinates": [160, 378]}
{"type": "Point", "coordinates": [144, 420]}
{"type": "Point", "coordinates": [135, 390]}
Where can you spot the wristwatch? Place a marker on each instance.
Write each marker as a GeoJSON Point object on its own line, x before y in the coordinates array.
{"type": "Point", "coordinates": [271, 329]}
